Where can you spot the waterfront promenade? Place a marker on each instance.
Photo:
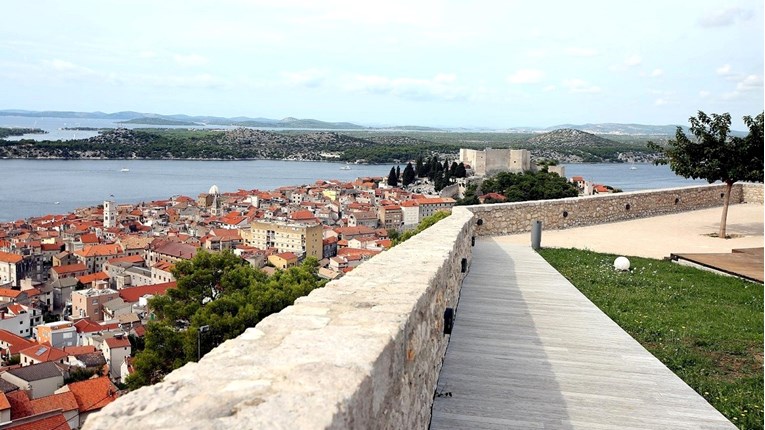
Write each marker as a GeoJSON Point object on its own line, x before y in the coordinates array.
{"type": "Point", "coordinates": [530, 351]}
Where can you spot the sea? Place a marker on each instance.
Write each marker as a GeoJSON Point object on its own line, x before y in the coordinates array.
{"type": "Point", "coordinates": [30, 188]}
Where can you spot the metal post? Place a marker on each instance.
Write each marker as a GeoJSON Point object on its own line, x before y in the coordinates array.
{"type": "Point", "coordinates": [536, 234]}
{"type": "Point", "coordinates": [202, 329]}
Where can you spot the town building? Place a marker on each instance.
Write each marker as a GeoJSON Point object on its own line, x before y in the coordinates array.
{"type": "Point", "coordinates": [296, 237]}
{"type": "Point", "coordinates": [90, 303]}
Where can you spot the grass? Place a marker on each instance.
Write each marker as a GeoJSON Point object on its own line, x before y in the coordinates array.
{"type": "Point", "coordinates": [707, 328]}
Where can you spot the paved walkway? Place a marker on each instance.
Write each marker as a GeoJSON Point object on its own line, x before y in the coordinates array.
{"type": "Point", "coordinates": [529, 351]}
{"type": "Point", "coordinates": [660, 236]}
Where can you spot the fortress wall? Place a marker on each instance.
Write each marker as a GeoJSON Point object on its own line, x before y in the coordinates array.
{"type": "Point", "coordinates": [364, 352]}
{"type": "Point", "coordinates": [752, 193]}
{"type": "Point", "coordinates": [511, 218]}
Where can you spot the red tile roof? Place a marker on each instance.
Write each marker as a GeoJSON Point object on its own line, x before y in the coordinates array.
{"type": "Point", "coordinates": [7, 292]}
{"type": "Point", "coordinates": [44, 353]}
{"type": "Point", "coordinates": [7, 257]}
{"type": "Point", "coordinates": [87, 326]}
{"type": "Point", "coordinates": [93, 394]}
{"type": "Point", "coordinates": [15, 343]}
{"type": "Point", "coordinates": [76, 350]}
{"type": "Point", "coordinates": [100, 250]}
{"type": "Point", "coordinates": [47, 422]}
{"type": "Point", "coordinates": [20, 405]}
{"type": "Point", "coordinates": [136, 259]}
{"type": "Point", "coordinates": [98, 276]}
{"type": "Point", "coordinates": [4, 404]}
{"type": "Point", "coordinates": [64, 401]}
{"type": "Point", "coordinates": [70, 268]}
{"type": "Point", "coordinates": [114, 342]}
{"type": "Point", "coordinates": [132, 294]}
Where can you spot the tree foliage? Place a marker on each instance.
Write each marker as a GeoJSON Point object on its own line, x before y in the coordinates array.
{"type": "Point", "coordinates": [221, 292]}
{"type": "Point", "coordinates": [392, 177]}
{"type": "Point", "coordinates": [519, 187]}
{"type": "Point", "coordinates": [711, 153]}
{"type": "Point", "coordinates": [408, 176]}
{"type": "Point", "coordinates": [426, 222]}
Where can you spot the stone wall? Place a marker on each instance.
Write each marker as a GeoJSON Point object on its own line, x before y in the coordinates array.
{"type": "Point", "coordinates": [752, 193]}
{"type": "Point", "coordinates": [364, 352]}
{"type": "Point", "coordinates": [511, 218]}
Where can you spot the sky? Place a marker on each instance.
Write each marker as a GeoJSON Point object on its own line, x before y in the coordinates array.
{"type": "Point", "coordinates": [491, 64]}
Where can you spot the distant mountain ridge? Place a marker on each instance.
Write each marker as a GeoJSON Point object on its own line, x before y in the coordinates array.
{"type": "Point", "coordinates": [289, 122]}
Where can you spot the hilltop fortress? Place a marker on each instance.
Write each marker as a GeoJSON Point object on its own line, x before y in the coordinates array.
{"type": "Point", "coordinates": [491, 161]}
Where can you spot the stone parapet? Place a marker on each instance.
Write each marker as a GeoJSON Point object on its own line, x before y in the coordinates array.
{"type": "Point", "coordinates": [752, 193]}
{"type": "Point", "coordinates": [363, 352]}
{"type": "Point", "coordinates": [511, 218]}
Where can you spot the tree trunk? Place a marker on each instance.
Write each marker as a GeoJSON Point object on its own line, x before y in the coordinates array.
{"type": "Point", "coordinates": [726, 202]}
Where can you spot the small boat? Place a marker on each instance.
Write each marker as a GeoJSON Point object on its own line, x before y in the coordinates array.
{"type": "Point", "coordinates": [56, 203]}
{"type": "Point", "coordinates": [633, 168]}
{"type": "Point", "coordinates": [345, 168]}
{"type": "Point", "coordinates": [124, 170]}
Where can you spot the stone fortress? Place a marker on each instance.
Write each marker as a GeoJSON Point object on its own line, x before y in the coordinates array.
{"type": "Point", "coordinates": [491, 161]}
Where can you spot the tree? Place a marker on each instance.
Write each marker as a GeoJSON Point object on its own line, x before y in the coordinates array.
{"type": "Point", "coordinates": [221, 292]}
{"type": "Point", "coordinates": [714, 155]}
{"type": "Point", "coordinates": [398, 171]}
{"type": "Point", "coordinates": [461, 172]}
{"type": "Point", "coordinates": [392, 178]}
{"type": "Point", "coordinates": [409, 175]}
{"type": "Point", "coordinates": [519, 187]}
{"type": "Point", "coordinates": [419, 167]}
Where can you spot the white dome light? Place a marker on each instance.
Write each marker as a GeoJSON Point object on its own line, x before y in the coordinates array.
{"type": "Point", "coordinates": [213, 190]}
{"type": "Point", "coordinates": [622, 264]}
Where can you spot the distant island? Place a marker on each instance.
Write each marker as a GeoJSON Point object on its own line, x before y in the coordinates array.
{"type": "Point", "coordinates": [353, 146]}
{"type": "Point", "coordinates": [8, 132]}
{"type": "Point", "coordinates": [156, 121]}
{"type": "Point", "coordinates": [133, 117]}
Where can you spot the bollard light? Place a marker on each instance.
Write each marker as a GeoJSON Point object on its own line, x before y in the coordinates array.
{"type": "Point", "coordinates": [448, 320]}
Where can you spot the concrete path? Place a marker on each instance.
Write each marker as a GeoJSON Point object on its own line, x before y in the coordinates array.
{"type": "Point", "coordinates": [529, 351]}
{"type": "Point", "coordinates": [658, 237]}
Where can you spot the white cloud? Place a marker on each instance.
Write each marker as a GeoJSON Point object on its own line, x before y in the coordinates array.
{"type": "Point", "coordinates": [724, 70]}
{"type": "Point", "coordinates": [581, 86]}
{"type": "Point", "coordinates": [190, 60]}
{"type": "Point", "coordinates": [660, 102]}
{"type": "Point", "coordinates": [633, 60]}
{"type": "Point", "coordinates": [656, 73]}
{"type": "Point", "coordinates": [725, 17]}
{"type": "Point", "coordinates": [442, 87]}
{"type": "Point", "coordinates": [581, 52]}
{"type": "Point", "coordinates": [750, 83]}
{"type": "Point", "coordinates": [549, 88]}
{"type": "Point", "coordinates": [68, 69]}
{"type": "Point", "coordinates": [746, 84]}
{"type": "Point", "coordinates": [526, 76]}
{"type": "Point", "coordinates": [704, 94]}
{"type": "Point", "coordinates": [311, 78]}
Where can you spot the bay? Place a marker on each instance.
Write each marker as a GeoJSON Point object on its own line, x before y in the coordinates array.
{"type": "Point", "coordinates": [38, 187]}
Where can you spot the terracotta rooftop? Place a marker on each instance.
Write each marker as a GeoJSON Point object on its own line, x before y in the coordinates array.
{"type": "Point", "coordinates": [93, 394]}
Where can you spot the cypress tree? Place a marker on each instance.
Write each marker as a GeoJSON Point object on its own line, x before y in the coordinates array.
{"type": "Point", "coordinates": [409, 175]}
{"type": "Point", "coordinates": [392, 178]}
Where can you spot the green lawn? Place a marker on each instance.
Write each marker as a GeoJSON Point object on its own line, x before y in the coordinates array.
{"type": "Point", "coordinates": [707, 328]}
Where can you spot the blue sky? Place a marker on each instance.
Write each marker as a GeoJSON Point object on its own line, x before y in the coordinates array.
{"type": "Point", "coordinates": [490, 64]}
